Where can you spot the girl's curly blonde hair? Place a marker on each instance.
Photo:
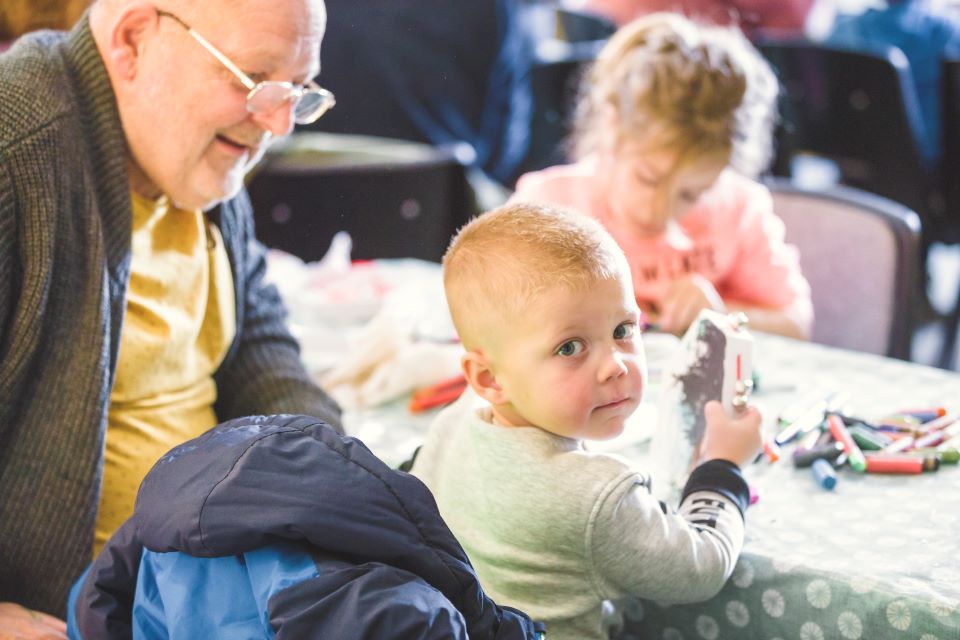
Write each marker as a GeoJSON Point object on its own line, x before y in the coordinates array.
{"type": "Point", "coordinates": [673, 84]}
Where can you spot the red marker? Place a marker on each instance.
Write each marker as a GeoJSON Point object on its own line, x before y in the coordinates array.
{"type": "Point", "coordinates": [840, 434]}
{"type": "Point", "coordinates": [880, 463]}
{"type": "Point", "coordinates": [435, 395]}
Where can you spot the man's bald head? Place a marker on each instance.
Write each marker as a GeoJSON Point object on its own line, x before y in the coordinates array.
{"type": "Point", "coordinates": [181, 72]}
{"type": "Point", "coordinates": [314, 9]}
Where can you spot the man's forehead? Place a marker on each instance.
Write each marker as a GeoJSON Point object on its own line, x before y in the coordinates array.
{"type": "Point", "coordinates": [301, 56]}
{"type": "Point", "coordinates": [292, 19]}
{"type": "Point", "coordinates": [267, 36]}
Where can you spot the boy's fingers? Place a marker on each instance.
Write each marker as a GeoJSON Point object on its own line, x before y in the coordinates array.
{"type": "Point", "coordinates": [713, 410]}
{"type": "Point", "coordinates": [753, 415]}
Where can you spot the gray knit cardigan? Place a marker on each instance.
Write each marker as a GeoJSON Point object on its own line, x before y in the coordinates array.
{"type": "Point", "coordinates": [65, 224]}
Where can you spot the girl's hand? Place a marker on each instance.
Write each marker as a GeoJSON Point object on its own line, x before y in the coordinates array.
{"type": "Point", "coordinates": [684, 298]}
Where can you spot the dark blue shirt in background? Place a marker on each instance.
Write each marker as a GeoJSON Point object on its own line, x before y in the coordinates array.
{"type": "Point", "coordinates": [441, 72]}
{"type": "Point", "coordinates": [927, 33]}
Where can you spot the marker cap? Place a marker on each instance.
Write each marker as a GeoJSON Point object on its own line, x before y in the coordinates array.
{"type": "Point", "coordinates": [824, 474]}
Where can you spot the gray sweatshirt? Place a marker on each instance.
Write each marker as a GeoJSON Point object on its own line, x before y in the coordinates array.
{"type": "Point", "coordinates": [556, 530]}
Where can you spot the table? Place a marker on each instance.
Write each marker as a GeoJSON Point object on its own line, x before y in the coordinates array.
{"type": "Point", "coordinates": [877, 558]}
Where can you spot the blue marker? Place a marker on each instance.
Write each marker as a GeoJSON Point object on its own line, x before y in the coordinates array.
{"type": "Point", "coordinates": [824, 474]}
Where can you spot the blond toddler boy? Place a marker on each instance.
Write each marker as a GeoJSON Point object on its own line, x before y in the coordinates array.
{"type": "Point", "coordinates": [543, 302]}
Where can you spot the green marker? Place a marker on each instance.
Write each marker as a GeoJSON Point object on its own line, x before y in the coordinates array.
{"type": "Point", "coordinates": [867, 439]}
{"type": "Point", "coordinates": [948, 455]}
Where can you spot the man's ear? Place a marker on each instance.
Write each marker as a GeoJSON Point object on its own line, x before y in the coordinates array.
{"type": "Point", "coordinates": [126, 38]}
{"type": "Point", "coordinates": [477, 371]}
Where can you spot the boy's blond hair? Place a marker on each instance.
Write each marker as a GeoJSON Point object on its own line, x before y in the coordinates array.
{"type": "Point", "coordinates": [500, 261]}
{"type": "Point", "coordinates": [701, 90]}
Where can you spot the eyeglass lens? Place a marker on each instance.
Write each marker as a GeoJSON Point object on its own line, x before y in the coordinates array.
{"type": "Point", "coordinates": [308, 106]}
{"type": "Point", "coordinates": [311, 106]}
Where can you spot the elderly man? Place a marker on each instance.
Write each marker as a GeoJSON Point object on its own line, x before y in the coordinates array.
{"type": "Point", "coordinates": [133, 312]}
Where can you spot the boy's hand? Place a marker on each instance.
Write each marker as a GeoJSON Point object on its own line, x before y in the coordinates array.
{"type": "Point", "coordinates": [20, 623]}
{"type": "Point", "coordinates": [735, 439]}
{"type": "Point", "coordinates": [684, 298]}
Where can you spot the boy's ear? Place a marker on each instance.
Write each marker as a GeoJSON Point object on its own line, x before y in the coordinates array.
{"type": "Point", "coordinates": [477, 371]}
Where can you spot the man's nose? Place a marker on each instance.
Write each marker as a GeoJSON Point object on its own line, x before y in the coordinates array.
{"type": "Point", "coordinates": [279, 121]}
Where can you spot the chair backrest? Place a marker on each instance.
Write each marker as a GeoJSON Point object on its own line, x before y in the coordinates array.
{"type": "Point", "coordinates": [554, 80]}
{"type": "Point", "coordinates": [950, 165]}
{"type": "Point", "coordinates": [859, 252]}
{"type": "Point", "coordinates": [397, 199]}
{"type": "Point", "coordinates": [857, 109]}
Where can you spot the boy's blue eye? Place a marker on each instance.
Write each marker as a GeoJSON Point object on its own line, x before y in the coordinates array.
{"type": "Point", "coordinates": [625, 331]}
{"type": "Point", "coordinates": [570, 348]}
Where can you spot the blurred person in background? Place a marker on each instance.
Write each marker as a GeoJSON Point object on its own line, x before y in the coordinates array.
{"type": "Point", "coordinates": [673, 125]}
{"type": "Point", "coordinates": [451, 73]}
{"type": "Point", "coordinates": [785, 16]}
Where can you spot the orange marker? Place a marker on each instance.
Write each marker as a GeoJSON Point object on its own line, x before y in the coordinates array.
{"type": "Point", "coordinates": [441, 393]}
{"type": "Point", "coordinates": [771, 449]}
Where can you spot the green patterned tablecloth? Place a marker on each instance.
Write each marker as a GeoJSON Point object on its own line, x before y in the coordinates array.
{"type": "Point", "coordinates": [877, 558]}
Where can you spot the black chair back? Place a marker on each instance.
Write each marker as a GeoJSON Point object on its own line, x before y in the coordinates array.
{"type": "Point", "coordinates": [860, 111]}
{"type": "Point", "coordinates": [950, 167]}
{"type": "Point", "coordinates": [555, 79]}
{"type": "Point", "coordinates": [396, 199]}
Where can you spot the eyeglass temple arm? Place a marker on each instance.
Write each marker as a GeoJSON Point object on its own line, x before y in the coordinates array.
{"type": "Point", "coordinates": [244, 78]}
{"type": "Point", "coordinates": [224, 60]}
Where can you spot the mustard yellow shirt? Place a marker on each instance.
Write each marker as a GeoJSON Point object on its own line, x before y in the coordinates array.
{"type": "Point", "coordinates": [179, 323]}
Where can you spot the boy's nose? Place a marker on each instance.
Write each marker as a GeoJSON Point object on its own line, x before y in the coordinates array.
{"type": "Point", "coordinates": [614, 366]}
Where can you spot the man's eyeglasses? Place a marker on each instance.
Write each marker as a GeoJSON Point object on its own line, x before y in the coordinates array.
{"type": "Point", "coordinates": [309, 102]}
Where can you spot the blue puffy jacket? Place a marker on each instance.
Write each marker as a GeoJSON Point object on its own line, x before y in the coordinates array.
{"type": "Point", "coordinates": [276, 526]}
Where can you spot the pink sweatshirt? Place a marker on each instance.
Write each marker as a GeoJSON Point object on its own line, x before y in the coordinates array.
{"type": "Point", "coordinates": [730, 236]}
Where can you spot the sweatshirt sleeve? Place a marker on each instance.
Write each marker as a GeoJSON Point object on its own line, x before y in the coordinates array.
{"type": "Point", "coordinates": [641, 547]}
{"type": "Point", "coordinates": [765, 270]}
